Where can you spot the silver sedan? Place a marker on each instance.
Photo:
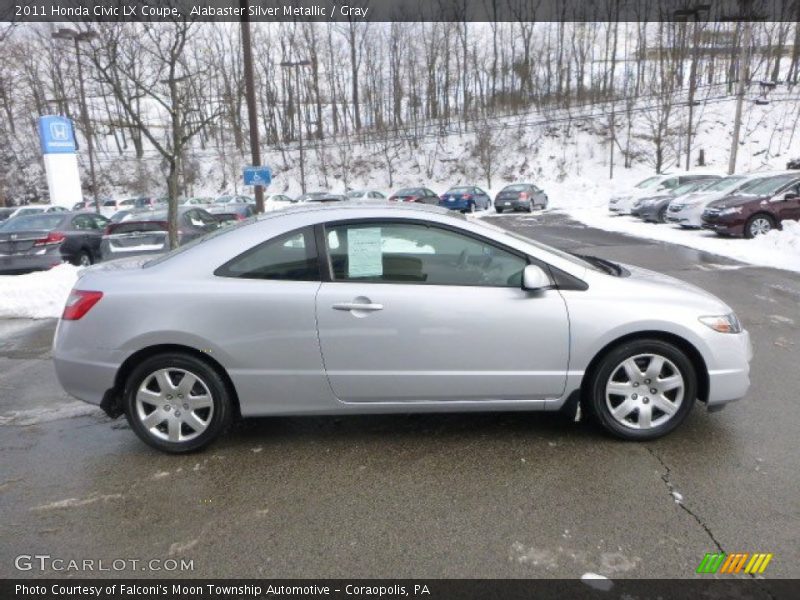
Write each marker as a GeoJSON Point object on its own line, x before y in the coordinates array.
{"type": "Point", "coordinates": [348, 308]}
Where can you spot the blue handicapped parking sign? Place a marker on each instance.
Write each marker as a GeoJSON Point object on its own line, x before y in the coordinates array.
{"type": "Point", "coordinates": [257, 176]}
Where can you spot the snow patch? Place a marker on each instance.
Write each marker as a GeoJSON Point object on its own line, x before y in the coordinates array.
{"type": "Point", "coordinates": [77, 502]}
{"type": "Point", "coordinates": [39, 295]}
{"type": "Point", "coordinates": [181, 547]}
{"type": "Point", "coordinates": [598, 582]}
{"type": "Point", "coordinates": [35, 416]}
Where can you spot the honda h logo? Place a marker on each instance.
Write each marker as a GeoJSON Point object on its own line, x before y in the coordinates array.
{"type": "Point", "coordinates": [59, 132]}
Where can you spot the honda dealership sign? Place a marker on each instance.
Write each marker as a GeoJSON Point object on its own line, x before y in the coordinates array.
{"type": "Point", "coordinates": [57, 139]}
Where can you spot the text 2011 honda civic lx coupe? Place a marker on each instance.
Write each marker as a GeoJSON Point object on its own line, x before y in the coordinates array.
{"type": "Point", "coordinates": [376, 309]}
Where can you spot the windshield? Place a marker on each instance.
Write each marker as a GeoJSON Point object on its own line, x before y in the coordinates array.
{"type": "Point", "coordinates": [723, 184]}
{"type": "Point", "coordinates": [560, 253]}
{"type": "Point", "coordinates": [648, 183]}
{"type": "Point", "coordinates": [770, 185]}
{"type": "Point", "coordinates": [691, 186]}
{"type": "Point", "coordinates": [409, 192]}
{"type": "Point", "coordinates": [460, 190]}
{"type": "Point", "coordinates": [355, 193]}
{"type": "Point", "coordinates": [520, 187]}
{"type": "Point", "coordinates": [32, 222]}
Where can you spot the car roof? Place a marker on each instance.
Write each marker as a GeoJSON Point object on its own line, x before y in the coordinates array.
{"type": "Point", "coordinates": [402, 210]}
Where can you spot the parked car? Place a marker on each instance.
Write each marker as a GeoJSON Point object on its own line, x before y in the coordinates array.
{"type": "Point", "coordinates": [793, 164]}
{"type": "Point", "coordinates": [758, 209]}
{"type": "Point", "coordinates": [365, 195]}
{"type": "Point", "coordinates": [466, 198]}
{"type": "Point", "coordinates": [198, 200]}
{"type": "Point", "coordinates": [232, 212]}
{"type": "Point", "coordinates": [280, 200]}
{"type": "Point", "coordinates": [622, 204]}
{"type": "Point", "coordinates": [235, 198]}
{"type": "Point", "coordinates": [142, 203]}
{"type": "Point", "coordinates": [420, 195]}
{"type": "Point", "coordinates": [654, 208]}
{"type": "Point", "coordinates": [336, 299]}
{"type": "Point", "coordinates": [321, 197]}
{"type": "Point", "coordinates": [41, 241]}
{"type": "Point", "coordinates": [148, 232]}
{"type": "Point", "coordinates": [520, 196]}
{"type": "Point", "coordinates": [35, 209]}
{"type": "Point", "coordinates": [6, 212]}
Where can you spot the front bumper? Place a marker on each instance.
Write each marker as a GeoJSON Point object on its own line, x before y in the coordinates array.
{"type": "Point", "coordinates": [686, 217]}
{"type": "Point", "coordinates": [729, 377]}
{"type": "Point", "coordinates": [735, 228]}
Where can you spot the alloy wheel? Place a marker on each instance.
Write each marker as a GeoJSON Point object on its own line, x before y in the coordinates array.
{"type": "Point", "coordinates": [85, 260]}
{"type": "Point", "coordinates": [644, 391]}
{"type": "Point", "coordinates": [760, 226]}
{"type": "Point", "coordinates": [174, 405]}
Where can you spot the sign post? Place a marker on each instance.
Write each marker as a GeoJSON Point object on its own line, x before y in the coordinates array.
{"type": "Point", "coordinates": [57, 139]}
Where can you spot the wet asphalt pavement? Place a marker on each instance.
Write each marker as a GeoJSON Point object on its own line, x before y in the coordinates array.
{"type": "Point", "coordinates": [493, 495]}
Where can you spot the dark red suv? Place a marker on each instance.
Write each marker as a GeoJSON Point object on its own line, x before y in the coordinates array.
{"type": "Point", "coordinates": [758, 211]}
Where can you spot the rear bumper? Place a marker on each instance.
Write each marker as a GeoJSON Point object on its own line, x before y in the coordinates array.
{"type": "Point", "coordinates": [512, 203]}
{"type": "Point", "coordinates": [730, 379]}
{"type": "Point", "coordinates": [109, 253]}
{"type": "Point", "coordinates": [457, 204]}
{"type": "Point", "coordinates": [25, 263]}
{"type": "Point", "coordinates": [86, 373]}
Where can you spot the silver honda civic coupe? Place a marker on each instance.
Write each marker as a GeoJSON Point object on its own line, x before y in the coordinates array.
{"type": "Point", "coordinates": [366, 308]}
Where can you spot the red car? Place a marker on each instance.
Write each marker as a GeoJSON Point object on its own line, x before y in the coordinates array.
{"type": "Point", "coordinates": [758, 211]}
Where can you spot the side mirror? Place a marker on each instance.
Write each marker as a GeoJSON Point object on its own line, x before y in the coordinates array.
{"type": "Point", "coordinates": [534, 278]}
{"type": "Point", "coordinates": [791, 196]}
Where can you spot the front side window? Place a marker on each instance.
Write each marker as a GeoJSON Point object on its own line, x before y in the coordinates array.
{"type": "Point", "coordinates": [383, 252]}
{"type": "Point", "coordinates": [289, 257]}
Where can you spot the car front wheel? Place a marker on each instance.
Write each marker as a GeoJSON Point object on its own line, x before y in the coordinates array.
{"type": "Point", "coordinates": [642, 390]}
{"type": "Point", "coordinates": [176, 402]}
{"type": "Point", "coordinates": [758, 225]}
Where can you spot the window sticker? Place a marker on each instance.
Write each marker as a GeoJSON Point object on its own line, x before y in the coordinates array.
{"type": "Point", "coordinates": [364, 252]}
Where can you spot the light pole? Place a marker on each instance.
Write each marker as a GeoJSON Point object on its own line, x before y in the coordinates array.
{"type": "Point", "coordinates": [77, 37]}
{"type": "Point", "coordinates": [297, 64]}
{"type": "Point", "coordinates": [684, 15]}
{"type": "Point", "coordinates": [250, 93]}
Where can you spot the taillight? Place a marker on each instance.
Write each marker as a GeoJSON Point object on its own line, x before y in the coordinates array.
{"type": "Point", "coordinates": [523, 195]}
{"type": "Point", "coordinates": [54, 237]}
{"type": "Point", "coordinates": [79, 303]}
{"type": "Point", "coordinates": [411, 199]}
{"type": "Point", "coordinates": [466, 197]}
{"type": "Point", "coordinates": [107, 230]}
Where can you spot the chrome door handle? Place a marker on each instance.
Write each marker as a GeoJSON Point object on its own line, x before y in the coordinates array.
{"type": "Point", "coordinates": [357, 306]}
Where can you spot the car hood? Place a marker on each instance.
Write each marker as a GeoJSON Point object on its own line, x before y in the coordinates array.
{"type": "Point", "coordinates": [652, 283]}
{"type": "Point", "coordinates": [738, 200]}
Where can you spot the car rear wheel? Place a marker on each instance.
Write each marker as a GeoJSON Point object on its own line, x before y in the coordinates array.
{"type": "Point", "coordinates": [662, 215]}
{"type": "Point", "coordinates": [642, 390]}
{"type": "Point", "coordinates": [498, 209]}
{"type": "Point", "coordinates": [530, 206]}
{"type": "Point", "coordinates": [176, 403]}
{"type": "Point", "coordinates": [758, 225]}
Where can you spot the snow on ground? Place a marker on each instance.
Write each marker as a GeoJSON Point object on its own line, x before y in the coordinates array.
{"type": "Point", "coordinates": [585, 199]}
{"type": "Point", "coordinates": [38, 295]}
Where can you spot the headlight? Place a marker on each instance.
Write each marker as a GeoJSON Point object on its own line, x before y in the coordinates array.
{"type": "Point", "coordinates": [733, 210]}
{"type": "Point", "coordinates": [723, 323]}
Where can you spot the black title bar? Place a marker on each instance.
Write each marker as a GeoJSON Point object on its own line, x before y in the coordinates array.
{"type": "Point", "coordinates": [398, 10]}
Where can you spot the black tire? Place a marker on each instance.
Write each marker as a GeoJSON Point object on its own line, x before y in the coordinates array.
{"type": "Point", "coordinates": [471, 207]}
{"type": "Point", "coordinates": [748, 233]}
{"type": "Point", "coordinates": [221, 413]}
{"type": "Point", "coordinates": [662, 215]}
{"type": "Point", "coordinates": [611, 362]}
{"type": "Point", "coordinates": [530, 206]}
{"type": "Point", "coordinates": [498, 209]}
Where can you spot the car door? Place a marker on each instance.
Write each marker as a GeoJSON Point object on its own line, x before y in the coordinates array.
{"type": "Point", "coordinates": [431, 197]}
{"type": "Point", "coordinates": [482, 198]}
{"type": "Point", "coordinates": [418, 312]}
